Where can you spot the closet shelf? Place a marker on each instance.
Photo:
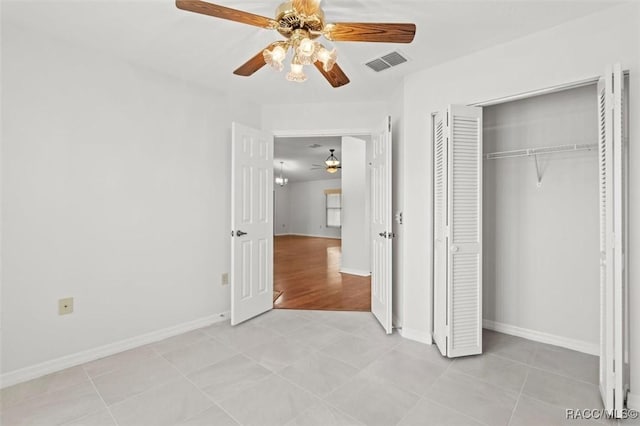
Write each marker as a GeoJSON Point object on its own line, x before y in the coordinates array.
{"type": "Point", "coordinates": [538, 151]}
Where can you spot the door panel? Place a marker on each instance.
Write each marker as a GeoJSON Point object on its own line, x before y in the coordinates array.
{"type": "Point", "coordinates": [614, 372]}
{"type": "Point", "coordinates": [381, 227]}
{"type": "Point", "coordinates": [252, 223]}
{"type": "Point", "coordinates": [439, 235]}
{"type": "Point", "coordinates": [464, 290]}
{"type": "Point", "coordinates": [457, 222]}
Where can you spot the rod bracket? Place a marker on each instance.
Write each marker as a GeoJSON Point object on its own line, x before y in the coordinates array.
{"type": "Point", "coordinates": [538, 170]}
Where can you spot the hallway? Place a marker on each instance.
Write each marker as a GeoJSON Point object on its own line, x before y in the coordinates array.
{"type": "Point", "coordinates": [307, 272]}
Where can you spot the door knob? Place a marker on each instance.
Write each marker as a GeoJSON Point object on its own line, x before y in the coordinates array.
{"type": "Point", "coordinates": [383, 234]}
{"type": "Point", "coordinates": [239, 233]}
{"type": "Point", "coordinates": [455, 249]}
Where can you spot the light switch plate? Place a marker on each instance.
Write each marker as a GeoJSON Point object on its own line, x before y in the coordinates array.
{"type": "Point", "coordinates": [224, 279]}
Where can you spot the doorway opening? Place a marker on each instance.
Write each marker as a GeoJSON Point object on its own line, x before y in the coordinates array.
{"type": "Point", "coordinates": [321, 261]}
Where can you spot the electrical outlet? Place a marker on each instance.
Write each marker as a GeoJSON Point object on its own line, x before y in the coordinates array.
{"type": "Point", "coordinates": [224, 279]}
{"type": "Point", "coordinates": [65, 306]}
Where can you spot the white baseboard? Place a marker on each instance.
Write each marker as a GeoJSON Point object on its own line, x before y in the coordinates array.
{"type": "Point", "coordinates": [34, 371]}
{"type": "Point", "coordinates": [355, 272]}
{"type": "Point", "coordinates": [539, 336]}
{"type": "Point", "coordinates": [416, 335]}
{"type": "Point", "coordinates": [633, 401]}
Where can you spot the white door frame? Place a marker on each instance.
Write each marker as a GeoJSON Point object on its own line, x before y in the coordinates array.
{"type": "Point", "coordinates": [324, 133]}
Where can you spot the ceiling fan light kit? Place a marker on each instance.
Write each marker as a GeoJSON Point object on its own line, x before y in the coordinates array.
{"type": "Point", "coordinates": [281, 180]}
{"type": "Point", "coordinates": [332, 161]}
{"type": "Point", "coordinates": [301, 22]}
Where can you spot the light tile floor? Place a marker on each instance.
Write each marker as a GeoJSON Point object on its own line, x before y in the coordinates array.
{"type": "Point", "coordinates": [310, 368]}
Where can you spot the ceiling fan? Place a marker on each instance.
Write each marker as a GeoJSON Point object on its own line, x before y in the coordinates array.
{"type": "Point", "coordinates": [331, 164]}
{"type": "Point", "coordinates": [301, 22]}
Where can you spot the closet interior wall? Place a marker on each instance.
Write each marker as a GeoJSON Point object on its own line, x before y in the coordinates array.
{"type": "Point", "coordinates": [541, 243]}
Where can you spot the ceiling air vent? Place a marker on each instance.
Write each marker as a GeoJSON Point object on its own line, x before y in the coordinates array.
{"type": "Point", "coordinates": [387, 61]}
{"type": "Point", "coordinates": [315, 145]}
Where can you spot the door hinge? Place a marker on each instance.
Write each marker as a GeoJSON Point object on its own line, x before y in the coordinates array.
{"type": "Point", "coordinates": [389, 123]}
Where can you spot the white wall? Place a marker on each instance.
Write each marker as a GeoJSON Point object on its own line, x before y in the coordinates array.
{"type": "Point", "coordinates": [356, 226]}
{"type": "Point", "coordinates": [115, 186]}
{"type": "Point", "coordinates": [578, 50]}
{"type": "Point", "coordinates": [307, 208]}
{"type": "Point", "coordinates": [281, 217]}
{"type": "Point", "coordinates": [339, 119]}
{"type": "Point", "coordinates": [541, 244]}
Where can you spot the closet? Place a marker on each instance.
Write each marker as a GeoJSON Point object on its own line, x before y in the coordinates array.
{"type": "Point", "coordinates": [530, 221]}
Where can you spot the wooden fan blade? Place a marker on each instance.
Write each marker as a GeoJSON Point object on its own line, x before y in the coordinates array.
{"type": "Point", "coordinates": [253, 64]}
{"type": "Point", "coordinates": [373, 32]}
{"type": "Point", "coordinates": [218, 11]}
{"type": "Point", "coordinates": [306, 7]}
{"type": "Point", "coordinates": [336, 77]}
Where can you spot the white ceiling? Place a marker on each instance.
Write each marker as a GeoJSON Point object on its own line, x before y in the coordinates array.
{"type": "Point", "coordinates": [206, 50]}
{"type": "Point", "coordinates": [298, 157]}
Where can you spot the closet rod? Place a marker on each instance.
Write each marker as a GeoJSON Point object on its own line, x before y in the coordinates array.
{"type": "Point", "coordinates": [538, 151]}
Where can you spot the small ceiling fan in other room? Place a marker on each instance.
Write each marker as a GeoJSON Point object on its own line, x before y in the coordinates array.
{"type": "Point", "coordinates": [331, 164]}
{"type": "Point", "coordinates": [301, 22]}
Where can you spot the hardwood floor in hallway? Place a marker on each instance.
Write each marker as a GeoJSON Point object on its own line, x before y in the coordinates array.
{"type": "Point", "coordinates": [307, 272]}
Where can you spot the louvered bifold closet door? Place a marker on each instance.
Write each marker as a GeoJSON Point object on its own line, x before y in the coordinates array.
{"type": "Point", "coordinates": [464, 211]}
{"type": "Point", "coordinates": [439, 234]}
{"type": "Point", "coordinates": [613, 273]}
{"type": "Point", "coordinates": [605, 154]}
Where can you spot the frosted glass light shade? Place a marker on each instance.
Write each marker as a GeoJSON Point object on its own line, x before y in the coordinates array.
{"type": "Point", "coordinates": [332, 169]}
{"type": "Point", "coordinates": [296, 74]}
{"type": "Point", "coordinates": [281, 181]}
{"type": "Point", "coordinates": [307, 47]}
{"type": "Point", "coordinates": [274, 57]}
{"type": "Point", "coordinates": [328, 58]}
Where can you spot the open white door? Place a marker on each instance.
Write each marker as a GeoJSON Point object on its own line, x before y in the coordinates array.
{"type": "Point", "coordinates": [458, 231]}
{"type": "Point", "coordinates": [251, 223]}
{"type": "Point", "coordinates": [439, 234]}
{"type": "Point", "coordinates": [613, 285]}
{"type": "Point", "coordinates": [381, 227]}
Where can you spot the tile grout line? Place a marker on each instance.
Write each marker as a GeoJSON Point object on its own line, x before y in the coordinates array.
{"type": "Point", "coordinates": [319, 397]}
{"type": "Point", "coordinates": [95, 388]}
{"type": "Point", "coordinates": [538, 345]}
{"type": "Point", "coordinates": [210, 399]}
{"type": "Point", "coordinates": [154, 387]}
{"type": "Point", "coordinates": [515, 406]}
{"type": "Point", "coordinates": [449, 366]}
{"type": "Point", "coordinates": [154, 354]}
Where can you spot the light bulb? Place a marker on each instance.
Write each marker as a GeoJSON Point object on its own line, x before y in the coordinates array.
{"type": "Point", "coordinates": [328, 58]}
{"type": "Point", "coordinates": [296, 74]}
{"type": "Point", "coordinates": [274, 57]}
{"type": "Point", "coordinates": [332, 169]}
{"type": "Point", "coordinates": [306, 47]}
{"type": "Point", "coordinates": [306, 51]}
{"type": "Point", "coordinates": [278, 53]}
